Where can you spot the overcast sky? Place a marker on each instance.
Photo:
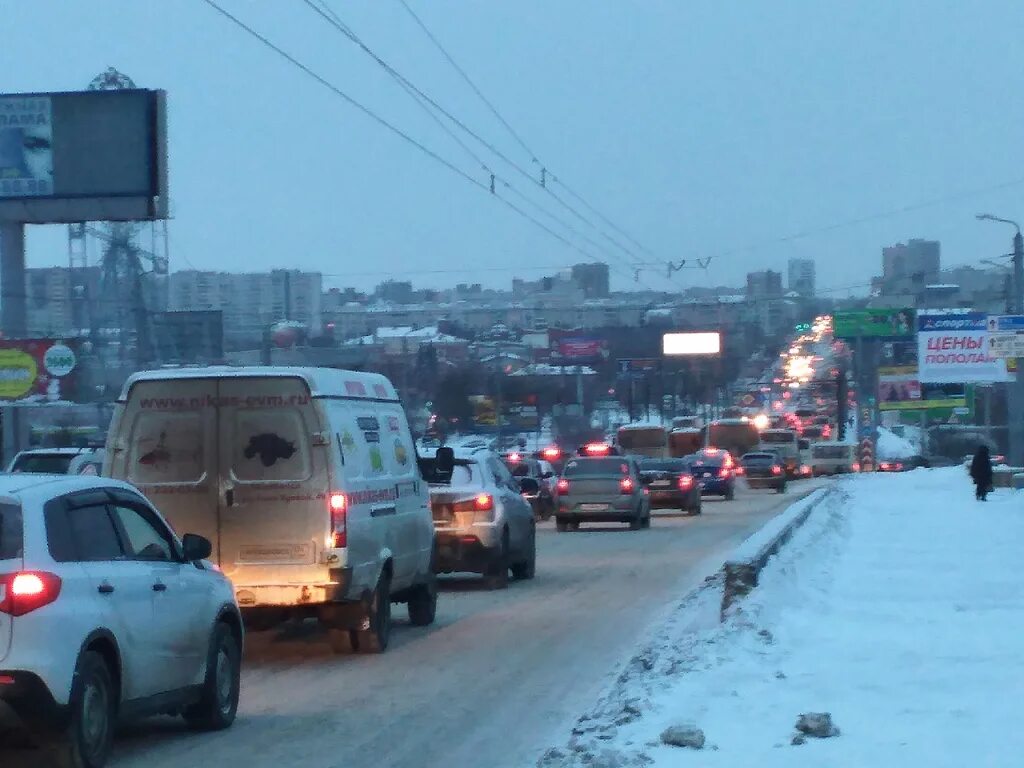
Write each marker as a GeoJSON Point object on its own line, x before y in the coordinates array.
{"type": "Point", "coordinates": [703, 129]}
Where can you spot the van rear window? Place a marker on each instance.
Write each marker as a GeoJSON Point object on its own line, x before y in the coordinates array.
{"type": "Point", "coordinates": [166, 447]}
{"type": "Point", "coordinates": [10, 532]}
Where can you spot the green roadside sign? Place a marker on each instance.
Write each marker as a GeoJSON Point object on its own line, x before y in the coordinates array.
{"type": "Point", "coordinates": [889, 324]}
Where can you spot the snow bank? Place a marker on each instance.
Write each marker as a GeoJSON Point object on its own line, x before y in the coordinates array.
{"type": "Point", "coordinates": [752, 546]}
{"type": "Point", "coordinates": [896, 608]}
{"type": "Point", "coordinates": [892, 446]}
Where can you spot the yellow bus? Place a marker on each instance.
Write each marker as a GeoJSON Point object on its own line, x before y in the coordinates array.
{"type": "Point", "coordinates": [644, 440]}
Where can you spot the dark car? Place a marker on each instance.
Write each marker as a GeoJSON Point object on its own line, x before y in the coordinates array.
{"type": "Point", "coordinates": [539, 494]}
{"type": "Point", "coordinates": [671, 484]}
{"type": "Point", "coordinates": [764, 470]}
{"type": "Point", "coordinates": [714, 470]}
{"type": "Point", "coordinates": [606, 489]}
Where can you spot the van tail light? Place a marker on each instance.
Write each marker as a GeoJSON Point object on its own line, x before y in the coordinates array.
{"type": "Point", "coordinates": [685, 482]}
{"type": "Point", "coordinates": [563, 485]}
{"type": "Point", "coordinates": [339, 521]}
{"type": "Point", "coordinates": [626, 485]}
{"type": "Point", "coordinates": [27, 591]}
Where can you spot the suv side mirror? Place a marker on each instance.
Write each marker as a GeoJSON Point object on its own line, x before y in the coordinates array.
{"type": "Point", "coordinates": [196, 547]}
{"type": "Point", "coordinates": [444, 461]}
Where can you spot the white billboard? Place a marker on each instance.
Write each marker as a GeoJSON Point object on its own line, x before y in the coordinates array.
{"type": "Point", "coordinates": [696, 343]}
{"type": "Point", "coordinates": [953, 348]}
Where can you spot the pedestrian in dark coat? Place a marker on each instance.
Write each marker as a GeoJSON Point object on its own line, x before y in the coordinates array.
{"type": "Point", "coordinates": [981, 473]}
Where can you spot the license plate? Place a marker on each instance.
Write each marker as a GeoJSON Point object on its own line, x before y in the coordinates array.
{"type": "Point", "coordinates": [593, 507]}
{"type": "Point", "coordinates": [707, 474]}
{"type": "Point", "coordinates": [660, 484]}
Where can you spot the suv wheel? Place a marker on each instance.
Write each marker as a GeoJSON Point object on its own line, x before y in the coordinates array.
{"type": "Point", "coordinates": [218, 701]}
{"type": "Point", "coordinates": [87, 741]}
{"type": "Point", "coordinates": [375, 639]}
{"type": "Point", "coordinates": [527, 568]}
{"type": "Point", "coordinates": [497, 574]}
{"type": "Point", "coordinates": [423, 603]}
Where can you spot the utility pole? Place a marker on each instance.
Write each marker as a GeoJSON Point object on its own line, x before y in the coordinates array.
{"type": "Point", "coordinates": [1015, 389]}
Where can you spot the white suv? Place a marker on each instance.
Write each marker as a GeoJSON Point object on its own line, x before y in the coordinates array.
{"type": "Point", "coordinates": [106, 615]}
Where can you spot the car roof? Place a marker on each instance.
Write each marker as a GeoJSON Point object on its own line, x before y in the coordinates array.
{"type": "Point", "coordinates": [54, 451]}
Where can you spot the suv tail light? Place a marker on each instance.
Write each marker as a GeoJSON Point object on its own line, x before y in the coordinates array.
{"type": "Point", "coordinates": [339, 521]}
{"type": "Point", "coordinates": [776, 470]}
{"type": "Point", "coordinates": [626, 485]}
{"type": "Point", "coordinates": [24, 592]}
{"type": "Point", "coordinates": [724, 472]}
{"type": "Point", "coordinates": [685, 482]}
{"type": "Point", "coordinates": [563, 485]}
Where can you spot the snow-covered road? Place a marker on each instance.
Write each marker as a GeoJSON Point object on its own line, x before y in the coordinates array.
{"type": "Point", "coordinates": [496, 680]}
{"type": "Point", "coordinates": [897, 608]}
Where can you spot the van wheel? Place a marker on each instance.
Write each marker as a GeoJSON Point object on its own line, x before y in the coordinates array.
{"type": "Point", "coordinates": [218, 702]}
{"type": "Point", "coordinates": [87, 741]}
{"type": "Point", "coordinates": [423, 603]}
{"type": "Point", "coordinates": [497, 574]}
{"type": "Point", "coordinates": [375, 639]}
{"type": "Point", "coordinates": [527, 569]}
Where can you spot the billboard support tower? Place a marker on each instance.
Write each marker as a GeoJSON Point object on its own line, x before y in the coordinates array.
{"type": "Point", "coordinates": [12, 279]}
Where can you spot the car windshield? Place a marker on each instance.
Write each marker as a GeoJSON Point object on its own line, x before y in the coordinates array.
{"type": "Point", "coordinates": [43, 463]}
{"type": "Point", "coordinates": [579, 467]}
{"type": "Point", "coordinates": [10, 531]}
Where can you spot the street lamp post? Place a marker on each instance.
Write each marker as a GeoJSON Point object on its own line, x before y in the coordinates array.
{"type": "Point", "coordinates": [1016, 389]}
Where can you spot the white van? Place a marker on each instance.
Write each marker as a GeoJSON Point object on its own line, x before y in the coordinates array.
{"type": "Point", "coordinates": [304, 479]}
{"type": "Point", "coordinates": [786, 444]}
{"type": "Point", "coordinates": [831, 458]}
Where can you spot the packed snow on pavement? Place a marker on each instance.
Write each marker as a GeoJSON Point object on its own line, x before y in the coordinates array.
{"type": "Point", "coordinates": [896, 608]}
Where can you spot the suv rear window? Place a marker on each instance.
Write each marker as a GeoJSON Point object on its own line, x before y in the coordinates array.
{"type": "Point", "coordinates": [578, 467]}
{"type": "Point", "coordinates": [10, 531]}
{"type": "Point", "coordinates": [43, 463]}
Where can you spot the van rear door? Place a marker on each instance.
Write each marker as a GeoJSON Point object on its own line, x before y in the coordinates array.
{"type": "Point", "coordinates": [275, 513]}
{"type": "Point", "coordinates": [163, 440]}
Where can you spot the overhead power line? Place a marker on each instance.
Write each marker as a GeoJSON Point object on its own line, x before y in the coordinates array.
{"type": "Point", "coordinates": [546, 172]}
{"type": "Point", "coordinates": [431, 106]}
{"type": "Point", "coordinates": [389, 126]}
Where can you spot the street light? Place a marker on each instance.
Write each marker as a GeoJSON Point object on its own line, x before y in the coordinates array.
{"type": "Point", "coordinates": [1018, 259]}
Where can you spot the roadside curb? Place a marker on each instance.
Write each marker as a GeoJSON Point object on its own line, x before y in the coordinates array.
{"type": "Point", "coordinates": [740, 576]}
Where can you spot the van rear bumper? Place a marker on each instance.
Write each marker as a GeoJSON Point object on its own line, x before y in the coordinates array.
{"type": "Point", "coordinates": [335, 590]}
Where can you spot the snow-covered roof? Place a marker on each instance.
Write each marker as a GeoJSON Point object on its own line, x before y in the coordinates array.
{"type": "Point", "coordinates": [544, 369]}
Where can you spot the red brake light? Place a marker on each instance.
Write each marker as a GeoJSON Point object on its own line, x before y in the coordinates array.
{"type": "Point", "coordinates": [552, 453]}
{"type": "Point", "coordinates": [339, 521]}
{"type": "Point", "coordinates": [626, 484]}
{"type": "Point", "coordinates": [776, 470]}
{"type": "Point", "coordinates": [685, 482]}
{"type": "Point", "coordinates": [483, 502]}
{"type": "Point", "coordinates": [27, 591]}
{"type": "Point", "coordinates": [563, 485]}
{"type": "Point", "coordinates": [724, 472]}
{"type": "Point", "coordinates": [597, 449]}
{"type": "Point", "coordinates": [514, 457]}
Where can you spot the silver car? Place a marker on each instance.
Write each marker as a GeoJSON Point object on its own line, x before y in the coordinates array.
{"type": "Point", "coordinates": [482, 522]}
{"type": "Point", "coordinates": [605, 489]}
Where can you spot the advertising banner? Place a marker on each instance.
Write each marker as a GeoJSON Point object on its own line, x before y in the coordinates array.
{"type": "Point", "coordinates": [26, 146]}
{"type": "Point", "coordinates": [890, 324]}
{"type": "Point", "coordinates": [484, 411]}
{"type": "Point", "coordinates": [43, 368]}
{"type": "Point", "coordinates": [953, 348]}
{"type": "Point", "coordinates": [899, 388]}
{"type": "Point", "coordinates": [574, 347]}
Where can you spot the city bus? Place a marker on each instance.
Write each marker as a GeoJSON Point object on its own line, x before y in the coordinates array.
{"type": "Point", "coordinates": [737, 436]}
{"type": "Point", "coordinates": [684, 442]}
{"type": "Point", "coordinates": [644, 440]}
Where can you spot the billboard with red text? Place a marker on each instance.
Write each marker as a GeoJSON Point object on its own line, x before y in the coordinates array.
{"type": "Point", "coordinates": [952, 348]}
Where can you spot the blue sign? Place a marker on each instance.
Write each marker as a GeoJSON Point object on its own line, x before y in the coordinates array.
{"type": "Point", "coordinates": [1006, 323]}
{"type": "Point", "coordinates": [966, 321]}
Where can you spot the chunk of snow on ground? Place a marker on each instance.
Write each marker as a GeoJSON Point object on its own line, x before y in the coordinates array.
{"type": "Point", "coordinates": [891, 446]}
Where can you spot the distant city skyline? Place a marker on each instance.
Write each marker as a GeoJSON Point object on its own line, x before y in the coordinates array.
{"type": "Point", "coordinates": [809, 130]}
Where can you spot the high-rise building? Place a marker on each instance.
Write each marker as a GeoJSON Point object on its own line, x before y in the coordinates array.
{"type": "Point", "coordinates": [253, 301]}
{"type": "Point", "coordinates": [593, 279]}
{"type": "Point", "coordinates": [908, 267]}
{"type": "Point", "coordinates": [765, 284]}
{"type": "Point", "coordinates": [49, 300]}
{"type": "Point", "coordinates": [395, 291]}
{"type": "Point", "coordinates": [801, 277]}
